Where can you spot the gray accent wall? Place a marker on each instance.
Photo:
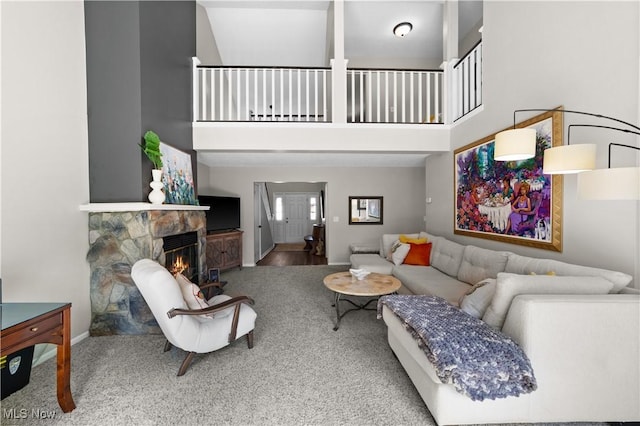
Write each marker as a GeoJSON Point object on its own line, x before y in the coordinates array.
{"type": "Point", "coordinates": [138, 79]}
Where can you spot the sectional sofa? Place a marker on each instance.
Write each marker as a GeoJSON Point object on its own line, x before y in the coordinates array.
{"type": "Point", "coordinates": [579, 327]}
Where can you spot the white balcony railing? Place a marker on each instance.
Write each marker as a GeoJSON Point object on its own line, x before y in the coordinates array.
{"type": "Point", "coordinates": [261, 94]}
{"type": "Point", "coordinates": [305, 94]}
{"type": "Point", "coordinates": [467, 82]}
{"type": "Point", "coordinates": [394, 96]}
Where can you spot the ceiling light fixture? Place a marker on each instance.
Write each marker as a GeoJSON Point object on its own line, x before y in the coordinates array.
{"type": "Point", "coordinates": [402, 29]}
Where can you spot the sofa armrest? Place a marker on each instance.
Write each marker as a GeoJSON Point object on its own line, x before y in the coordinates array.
{"type": "Point", "coordinates": [582, 347]}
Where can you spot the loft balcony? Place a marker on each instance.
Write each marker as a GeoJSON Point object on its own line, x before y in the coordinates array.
{"type": "Point", "coordinates": [379, 110]}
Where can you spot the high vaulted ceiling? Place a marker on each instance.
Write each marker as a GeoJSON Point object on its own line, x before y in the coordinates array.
{"type": "Point", "coordinates": [299, 33]}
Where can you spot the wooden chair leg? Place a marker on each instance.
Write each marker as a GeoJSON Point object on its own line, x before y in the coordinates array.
{"type": "Point", "coordinates": [167, 346]}
{"type": "Point", "coordinates": [250, 339]}
{"type": "Point", "coordinates": [186, 363]}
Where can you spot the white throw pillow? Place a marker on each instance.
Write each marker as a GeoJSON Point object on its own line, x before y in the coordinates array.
{"type": "Point", "coordinates": [191, 293]}
{"type": "Point", "coordinates": [399, 252]}
{"type": "Point", "coordinates": [509, 286]}
{"type": "Point", "coordinates": [478, 298]}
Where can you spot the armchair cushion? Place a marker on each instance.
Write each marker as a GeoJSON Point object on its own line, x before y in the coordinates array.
{"type": "Point", "coordinates": [215, 300]}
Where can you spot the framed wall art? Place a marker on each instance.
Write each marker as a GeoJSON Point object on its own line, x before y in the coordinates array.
{"type": "Point", "coordinates": [177, 176]}
{"type": "Point", "coordinates": [365, 210]}
{"type": "Point", "coordinates": [510, 201]}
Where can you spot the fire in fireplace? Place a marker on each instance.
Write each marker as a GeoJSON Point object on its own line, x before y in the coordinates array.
{"type": "Point", "coordinates": [181, 254]}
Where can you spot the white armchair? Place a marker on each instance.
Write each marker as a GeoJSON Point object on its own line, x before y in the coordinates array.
{"type": "Point", "coordinates": [221, 321]}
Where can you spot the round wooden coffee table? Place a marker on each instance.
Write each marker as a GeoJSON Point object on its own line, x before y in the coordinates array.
{"type": "Point", "coordinates": [373, 285]}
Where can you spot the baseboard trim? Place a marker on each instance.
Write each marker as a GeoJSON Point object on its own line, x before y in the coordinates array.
{"type": "Point", "coordinates": [49, 351]}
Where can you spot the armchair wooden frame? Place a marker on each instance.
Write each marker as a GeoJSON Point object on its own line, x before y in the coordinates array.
{"type": "Point", "coordinates": [235, 301]}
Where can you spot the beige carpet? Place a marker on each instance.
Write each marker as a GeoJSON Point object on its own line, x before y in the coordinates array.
{"type": "Point", "coordinates": [289, 247]}
{"type": "Point", "coordinates": [300, 371]}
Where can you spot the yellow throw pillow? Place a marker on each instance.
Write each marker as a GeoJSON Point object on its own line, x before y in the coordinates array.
{"type": "Point", "coordinates": [406, 240]}
{"type": "Point", "coordinates": [550, 273]}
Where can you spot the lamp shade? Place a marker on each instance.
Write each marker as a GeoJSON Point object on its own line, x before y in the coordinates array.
{"type": "Point", "coordinates": [567, 159]}
{"type": "Point", "coordinates": [515, 144]}
{"type": "Point", "coordinates": [621, 183]}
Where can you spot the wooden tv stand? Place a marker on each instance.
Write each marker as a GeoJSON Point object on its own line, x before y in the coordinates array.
{"type": "Point", "coordinates": [224, 249]}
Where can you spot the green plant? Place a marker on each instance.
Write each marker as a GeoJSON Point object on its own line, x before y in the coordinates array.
{"type": "Point", "coordinates": [151, 148]}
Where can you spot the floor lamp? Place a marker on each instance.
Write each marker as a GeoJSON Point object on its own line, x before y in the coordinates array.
{"type": "Point", "coordinates": [593, 184]}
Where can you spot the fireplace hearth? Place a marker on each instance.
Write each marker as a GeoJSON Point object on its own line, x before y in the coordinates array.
{"type": "Point", "coordinates": [117, 240]}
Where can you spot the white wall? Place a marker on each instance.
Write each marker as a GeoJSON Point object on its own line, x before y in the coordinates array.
{"type": "Point", "coordinates": [402, 189]}
{"type": "Point", "coordinates": [206, 48]}
{"type": "Point", "coordinates": [45, 156]}
{"type": "Point", "coordinates": [584, 56]}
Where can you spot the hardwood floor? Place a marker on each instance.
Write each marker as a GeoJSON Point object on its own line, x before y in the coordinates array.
{"type": "Point", "coordinates": [288, 258]}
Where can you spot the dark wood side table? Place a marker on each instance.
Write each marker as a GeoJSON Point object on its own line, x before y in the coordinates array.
{"type": "Point", "coordinates": [25, 324]}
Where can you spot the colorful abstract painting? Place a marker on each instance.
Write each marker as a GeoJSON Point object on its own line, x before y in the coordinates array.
{"type": "Point", "coordinates": [510, 201]}
{"type": "Point", "coordinates": [177, 176]}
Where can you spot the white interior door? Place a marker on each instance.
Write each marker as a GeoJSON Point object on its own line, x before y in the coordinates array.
{"type": "Point", "coordinates": [296, 217]}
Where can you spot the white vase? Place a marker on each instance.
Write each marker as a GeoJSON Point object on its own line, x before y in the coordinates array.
{"type": "Point", "coordinates": [156, 196]}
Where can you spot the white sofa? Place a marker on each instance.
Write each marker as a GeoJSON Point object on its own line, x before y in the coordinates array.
{"type": "Point", "coordinates": [584, 348]}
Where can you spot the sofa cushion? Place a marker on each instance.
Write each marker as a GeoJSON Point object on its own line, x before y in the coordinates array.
{"type": "Point", "coordinates": [430, 281]}
{"type": "Point", "coordinates": [479, 263]}
{"type": "Point", "coordinates": [371, 262]}
{"type": "Point", "coordinates": [446, 256]}
{"type": "Point", "coordinates": [526, 265]}
{"type": "Point", "coordinates": [476, 301]}
{"type": "Point", "coordinates": [429, 237]}
{"type": "Point", "coordinates": [510, 285]}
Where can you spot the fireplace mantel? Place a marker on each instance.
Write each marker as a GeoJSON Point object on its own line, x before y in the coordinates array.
{"type": "Point", "coordinates": [135, 207]}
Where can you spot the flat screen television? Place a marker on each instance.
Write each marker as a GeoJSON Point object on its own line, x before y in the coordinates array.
{"type": "Point", "coordinates": [224, 212]}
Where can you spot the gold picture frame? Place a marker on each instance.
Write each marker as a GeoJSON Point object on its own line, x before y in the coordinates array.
{"type": "Point", "coordinates": [486, 192]}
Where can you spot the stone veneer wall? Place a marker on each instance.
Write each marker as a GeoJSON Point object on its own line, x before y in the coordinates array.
{"type": "Point", "coordinates": [119, 239]}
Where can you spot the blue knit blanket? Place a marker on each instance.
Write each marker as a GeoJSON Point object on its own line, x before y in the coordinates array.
{"type": "Point", "coordinates": [480, 362]}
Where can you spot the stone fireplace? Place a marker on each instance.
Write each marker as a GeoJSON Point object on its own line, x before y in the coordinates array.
{"type": "Point", "coordinates": [120, 238]}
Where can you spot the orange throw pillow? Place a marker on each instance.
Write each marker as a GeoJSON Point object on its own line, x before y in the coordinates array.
{"type": "Point", "coordinates": [419, 254]}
